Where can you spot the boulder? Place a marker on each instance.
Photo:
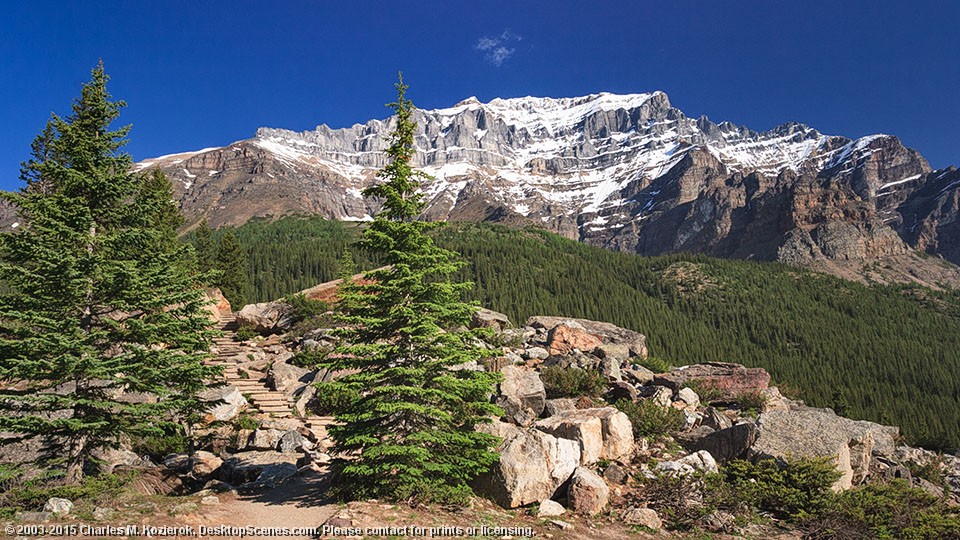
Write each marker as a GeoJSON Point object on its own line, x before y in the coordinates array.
{"type": "Point", "coordinates": [522, 395]}
{"type": "Point", "coordinates": [578, 426]}
{"type": "Point", "coordinates": [291, 441]}
{"type": "Point", "coordinates": [550, 508]}
{"type": "Point", "coordinates": [638, 374]}
{"type": "Point", "coordinates": [264, 439]}
{"type": "Point", "coordinates": [216, 304]}
{"type": "Point", "coordinates": [689, 398]}
{"type": "Point", "coordinates": [532, 466]}
{"type": "Point", "coordinates": [288, 378]}
{"type": "Point", "coordinates": [569, 337]}
{"type": "Point", "coordinates": [697, 461]}
{"type": "Point", "coordinates": [644, 517]}
{"type": "Point", "coordinates": [612, 351]}
{"type": "Point", "coordinates": [267, 317]}
{"type": "Point", "coordinates": [616, 474]}
{"type": "Point", "coordinates": [304, 400]}
{"type": "Point", "coordinates": [621, 390]}
{"type": "Point", "coordinates": [610, 368]}
{"type": "Point", "coordinates": [486, 318]}
{"type": "Point", "coordinates": [729, 380]}
{"type": "Point", "coordinates": [715, 419]}
{"type": "Point", "coordinates": [606, 332]}
{"type": "Point", "coordinates": [109, 458]}
{"type": "Point", "coordinates": [535, 353]}
{"type": "Point", "coordinates": [225, 403]}
{"type": "Point", "coordinates": [248, 466]}
{"type": "Point", "coordinates": [602, 432]}
{"type": "Point", "coordinates": [773, 400]}
{"type": "Point", "coordinates": [203, 464]}
{"type": "Point", "coordinates": [588, 493]}
{"type": "Point", "coordinates": [58, 506]}
{"type": "Point", "coordinates": [811, 432]}
{"type": "Point", "coordinates": [555, 406]}
{"type": "Point", "coordinates": [725, 444]}
{"type": "Point", "coordinates": [661, 395]}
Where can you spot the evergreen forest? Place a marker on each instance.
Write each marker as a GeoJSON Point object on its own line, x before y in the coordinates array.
{"type": "Point", "coordinates": [890, 354]}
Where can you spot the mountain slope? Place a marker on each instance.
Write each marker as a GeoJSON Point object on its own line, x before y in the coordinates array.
{"type": "Point", "coordinates": [893, 349]}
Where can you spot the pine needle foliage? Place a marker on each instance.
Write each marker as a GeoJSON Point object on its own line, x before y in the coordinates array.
{"type": "Point", "coordinates": [98, 305]}
{"type": "Point", "coordinates": [410, 430]}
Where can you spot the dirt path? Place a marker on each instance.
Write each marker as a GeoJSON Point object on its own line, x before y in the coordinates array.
{"type": "Point", "coordinates": [297, 503]}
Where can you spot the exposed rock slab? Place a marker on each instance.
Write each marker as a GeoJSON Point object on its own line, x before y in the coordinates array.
{"type": "Point", "coordinates": [811, 432]}
{"type": "Point", "coordinates": [729, 380]}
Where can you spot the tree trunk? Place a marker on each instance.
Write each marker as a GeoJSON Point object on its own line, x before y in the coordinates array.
{"type": "Point", "coordinates": [76, 459]}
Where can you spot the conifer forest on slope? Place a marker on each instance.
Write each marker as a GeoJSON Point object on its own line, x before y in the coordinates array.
{"type": "Point", "coordinates": [889, 353]}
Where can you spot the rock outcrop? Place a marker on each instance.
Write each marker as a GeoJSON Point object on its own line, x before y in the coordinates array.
{"type": "Point", "coordinates": [532, 466]}
{"type": "Point", "coordinates": [810, 432]}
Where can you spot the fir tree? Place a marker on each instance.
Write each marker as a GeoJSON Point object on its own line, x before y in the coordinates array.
{"type": "Point", "coordinates": [232, 266]}
{"type": "Point", "coordinates": [412, 418]}
{"type": "Point", "coordinates": [97, 303]}
{"type": "Point", "coordinates": [205, 248]}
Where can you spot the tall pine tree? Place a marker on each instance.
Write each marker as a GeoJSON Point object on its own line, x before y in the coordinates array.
{"type": "Point", "coordinates": [410, 427]}
{"type": "Point", "coordinates": [206, 249]}
{"type": "Point", "coordinates": [98, 305]}
{"type": "Point", "coordinates": [232, 265]}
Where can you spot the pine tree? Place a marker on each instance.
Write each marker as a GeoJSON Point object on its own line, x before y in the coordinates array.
{"type": "Point", "coordinates": [231, 263]}
{"type": "Point", "coordinates": [97, 303]}
{"type": "Point", "coordinates": [412, 417]}
{"type": "Point", "coordinates": [205, 248]}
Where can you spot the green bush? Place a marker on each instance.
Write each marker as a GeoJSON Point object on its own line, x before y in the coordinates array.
{"type": "Point", "coordinates": [159, 446]}
{"type": "Point", "coordinates": [651, 420]}
{"type": "Point", "coordinates": [886, 511]}
{"type": "Point", "coordinates": [247, 421]}
{"type": "Point", "coordinates": [20, 494]}
{"type": "Point", "coordinates": [705, 391]}
{"type": "Point", "coordinates": [655, 364]}
{"type": "Point", "coordinates": [572, 382]}
{"type": "Point", "coordinates": [332, 397]}
{"type": "Point", "coordinates": [311, 358]}
{"type": "Point", "coordinates": [794, 489]}
{"type": "Point", "coordinates": [303, 308]}
{"type": "Point", "coordinates": [678, 499]}
{"type": "Point", "coordinates": [751, 403]}
{"type": "Point", "coordinates": [245, 333]}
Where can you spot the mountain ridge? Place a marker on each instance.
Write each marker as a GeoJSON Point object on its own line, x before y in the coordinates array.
{"type": "Point", "coordinates": [624, 171]}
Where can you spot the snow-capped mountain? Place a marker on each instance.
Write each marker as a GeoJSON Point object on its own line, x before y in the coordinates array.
{"type": "Point", "coordinates": [629, 172]}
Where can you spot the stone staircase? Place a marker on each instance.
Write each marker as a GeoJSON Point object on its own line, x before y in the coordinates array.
{"type": "Point", "coordinates": [238, 371]}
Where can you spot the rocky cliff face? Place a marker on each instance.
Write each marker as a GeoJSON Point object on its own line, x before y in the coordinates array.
{"type": "Point", "coordinates": [628, 172]}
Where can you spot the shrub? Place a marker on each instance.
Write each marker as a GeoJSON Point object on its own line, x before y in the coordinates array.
{"type": "Point", "coordinates": [311, 358]}
{"type": "Point", "coordinates": [332, 397]}
{"type": "Point", "coordinates": [655, 364]}
{"type": "Point", "coordinates": [20, 493]}
{"type": "Point", "coordinates": [572, 382]}
{"type": "Point", "coordinates": [159, 446]}
{"type": "Point", "coordinates": [303, 308]}
{"type": "Point", "coordinates": [245, 333]}
{"type": "Point", "coordinates": [651, 420]}
{"type": "Point", "coordinates": [705, 391]}
{"type": "Point", "coordinates": [793, 489]}
{"type": "Point", "coordinates": [246, 421]}
{"type": "Point", "coordinates": [751, 403]}
{"type": "Point", "coordinates": [679, 500]}
{"type": "Point", "coordinates": [887, 511]}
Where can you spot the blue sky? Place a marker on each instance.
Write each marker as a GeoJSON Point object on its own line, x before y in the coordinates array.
{"type": "Point", "coordinates": [198, 74]}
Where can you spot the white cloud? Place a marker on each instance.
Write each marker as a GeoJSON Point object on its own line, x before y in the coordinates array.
{"type": "Point", "coordinates": [496, 49]}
